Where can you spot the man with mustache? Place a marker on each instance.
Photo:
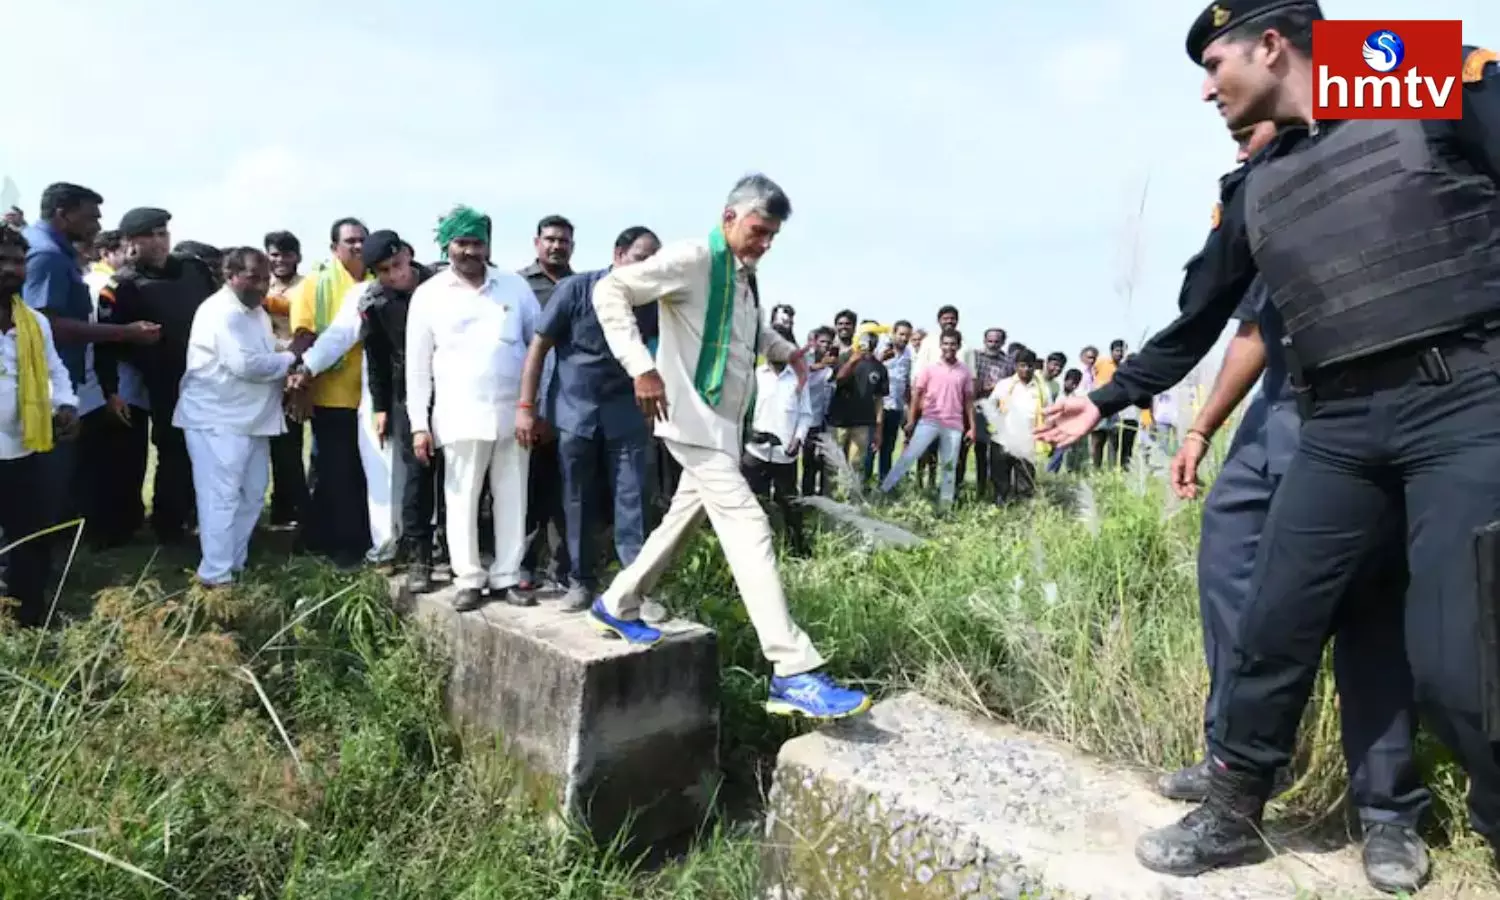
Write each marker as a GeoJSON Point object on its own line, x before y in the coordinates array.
{"type": "Point", "coordinates": [698, 389]}
{"type": "Point", "coordinates": [229, 408]}
{"type": "Point", "coordinates": [37, 408]}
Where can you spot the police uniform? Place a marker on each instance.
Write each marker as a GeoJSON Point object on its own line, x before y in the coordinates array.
{"type": "Point", "coordinates": [1379, 245]}
{"type": "Point", "coordinates": [168, 295]}
{"type": "Point", "coordinates": [1374, 683]}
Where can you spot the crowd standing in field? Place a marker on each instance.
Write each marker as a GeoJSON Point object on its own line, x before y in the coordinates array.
{"type": "Point", "coordinates": [491, 421]}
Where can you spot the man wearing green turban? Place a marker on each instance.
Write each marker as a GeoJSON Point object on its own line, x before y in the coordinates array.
{"type": "Point", "coordinates": [467, 331]}
{"type": "Point", "coordinates": [699, 388]}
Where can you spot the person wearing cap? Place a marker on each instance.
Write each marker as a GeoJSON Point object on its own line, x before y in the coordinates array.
{"type": "Point", "coordinates": [343, 334]}
{"type": "Point", "coordinates": [467, 331]}
{"type": "Point", "coordinates": [338, 516]}
{"type": "Point", "coordinates": [229, 408]}
{"type": "Point", "coordinates": [602, 437]}
{"type": "Point", "coordinates": [698, 389]}
{"type": "Point", "coordinates": [156, 286]}
{"type": "Point", "coordinates": [1377, 245]}
{"type": "Point", "coordinates": [375, 320]}
{"type": "Point", "coordinates": [1376, 711]}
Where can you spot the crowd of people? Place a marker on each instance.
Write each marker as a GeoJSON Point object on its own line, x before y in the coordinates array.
{"type": "Point", "coordinates": [464, 414]}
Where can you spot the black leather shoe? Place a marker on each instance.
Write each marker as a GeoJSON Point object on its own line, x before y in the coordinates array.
{"type": "Point", "coordinates": [515, 597]}
{"type": "Point", "coordinates": [1395, 858]}
{"type": "Point", "coordinates": [468, 600]}
{"type": "Point", "coordinates": [1223, 832]}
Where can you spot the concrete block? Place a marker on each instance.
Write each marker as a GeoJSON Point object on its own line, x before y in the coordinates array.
{"type": "Point", "coordinates": [875, 533]}
{"type": "Point", "coordinates": [922, 802]}
{"type": "Point", "coordinates": [609, 733]}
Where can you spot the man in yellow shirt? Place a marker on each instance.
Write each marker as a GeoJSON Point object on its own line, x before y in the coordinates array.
{"type": "Point", "coordinates": [288, 467]}
{"type": "Point", "coordinates": [338, 517]}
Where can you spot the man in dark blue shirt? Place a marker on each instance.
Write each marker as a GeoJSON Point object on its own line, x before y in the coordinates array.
{"type": "Point", "coordinates": [1377, 243]}
{"type": "Point", "coordinates": [591, 402]}
{"type": "Point", "coordinates": [55, 287]}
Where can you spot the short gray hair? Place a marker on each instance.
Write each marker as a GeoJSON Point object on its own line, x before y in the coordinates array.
{"type": "Point", "coordinates": [755, 193]}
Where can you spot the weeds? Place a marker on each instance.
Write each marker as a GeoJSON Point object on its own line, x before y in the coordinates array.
{"type": "Point", "coordinates": [287, 739]}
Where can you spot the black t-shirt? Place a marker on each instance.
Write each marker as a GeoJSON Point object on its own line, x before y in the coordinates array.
{"type": "Point", "coordinates": [856, 398]}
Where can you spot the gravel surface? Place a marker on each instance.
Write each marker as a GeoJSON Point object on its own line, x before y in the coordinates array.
{"type": "Point", "coordinates": [918, 801]}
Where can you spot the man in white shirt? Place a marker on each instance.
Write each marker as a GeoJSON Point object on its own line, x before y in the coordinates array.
{"type": "Point", "coordinates": [466, 337]}
{"type": "Point", "coordinates": [229, 408]}
{"type": "Point", "coordinates": [25, 485]}
{"type": "Point", "coordinates": [698, 389]}
{"type": "Point", "coordinates": [780, 424]}
{"type": "Point", "coordinates": [1014, 410]}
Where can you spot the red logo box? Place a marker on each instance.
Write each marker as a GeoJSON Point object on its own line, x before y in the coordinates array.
{"type": "Point", "coordinates": [1372, 69]}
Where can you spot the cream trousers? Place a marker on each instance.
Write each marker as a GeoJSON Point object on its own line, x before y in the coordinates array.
{"type": "Point", "coordinates": [713, 485]}
{"type": "Point", "coordinates": [464, 465]}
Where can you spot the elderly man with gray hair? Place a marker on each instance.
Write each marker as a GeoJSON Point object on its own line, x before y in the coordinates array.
{"type": "Point", "coordinates": [698, 389]}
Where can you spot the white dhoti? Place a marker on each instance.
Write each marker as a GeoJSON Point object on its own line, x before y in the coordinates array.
{"type": "Point", "coordinates": [230, 475]}
{"type": "Point", "coordinates": [383, 472]}
{"type": "Point", "coordinates": [713, 485]}
{"type": "Point", "coordinates": [464, 466]}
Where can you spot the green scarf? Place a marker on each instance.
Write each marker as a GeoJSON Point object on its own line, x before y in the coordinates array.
{"type": "Point", "coordinates": [718, 322]}
{"type": "Point", "coordinates": [462, 222]}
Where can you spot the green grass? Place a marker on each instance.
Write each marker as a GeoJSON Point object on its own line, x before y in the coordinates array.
{"type": "Point", "coordinates": [288, 741]}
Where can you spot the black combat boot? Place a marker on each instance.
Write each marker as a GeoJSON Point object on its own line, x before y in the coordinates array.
{"type": "Point", "coordinates": [1223, 832]}
{"type": "Point", "coordinates": [1395, 858]}
{"type": "Point", "coordinates": [1190, 784]}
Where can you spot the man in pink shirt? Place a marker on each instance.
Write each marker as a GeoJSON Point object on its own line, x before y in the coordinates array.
{"type": "Point", "coordinates": [942, 410]}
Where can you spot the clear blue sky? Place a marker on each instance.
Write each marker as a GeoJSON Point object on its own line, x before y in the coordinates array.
{"type": "Point", "coordinates": [988, 155]}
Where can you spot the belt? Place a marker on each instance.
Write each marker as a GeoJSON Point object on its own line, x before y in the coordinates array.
{"type": "Point", "coordinates": [1431, 361]}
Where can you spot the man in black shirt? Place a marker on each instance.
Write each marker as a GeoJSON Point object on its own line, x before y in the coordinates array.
{"type": "Point", "coordinates": [857, 410]}
{"type": "Point", "coordinates": [1378, 245]}
{"type": "Point", "coordinates": [157, 286]}
{"type": "Point", "coordinates": [383, 308]}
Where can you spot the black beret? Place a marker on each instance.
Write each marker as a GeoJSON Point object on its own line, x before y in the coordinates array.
{"type": "Point", "coordinates": [197, 249]}
{"type": "Point", "coordinates": [381, 246]}
{"type": "Point", "coordinates": [1227, 15]}
{"type": "Point", "coordinates": [143, 220]}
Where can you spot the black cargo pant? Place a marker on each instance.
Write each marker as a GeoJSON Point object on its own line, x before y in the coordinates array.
{"type": "Point", "coordinates": [1370, 455]}
{"type": "Point", "coordinates": [288, 475]}
{"type": "Point", "coordinates": [421, 494]}
{"type": "Point", "coordinates": [1377, 719]}
{"type": "Point", "coordinates": [546, 527]}
{"type": "Point", "coordinates": [778, 482]}
{"type": "Point", "coordinates": [338, 514]}
{"type": "Point", "coordinates": [27, 497]}
{"type": "Point", "coordinates": [173, 500]}
{"type": "Point", "coordinates": [110, 475]}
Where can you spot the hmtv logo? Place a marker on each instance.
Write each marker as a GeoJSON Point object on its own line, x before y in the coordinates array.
{"type": "Point", "coordinates": [1365, 69]}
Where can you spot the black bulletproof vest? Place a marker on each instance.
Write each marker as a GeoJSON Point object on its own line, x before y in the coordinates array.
{"type": "Point", "coordinates": [1373, 237]}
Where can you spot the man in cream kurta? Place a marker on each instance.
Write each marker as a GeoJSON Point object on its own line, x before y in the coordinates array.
{"type": "Point", "coordinates": [707, 438]}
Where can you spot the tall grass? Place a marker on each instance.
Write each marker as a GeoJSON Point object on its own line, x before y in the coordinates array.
{"type": "Point", "coordinates": [287, 739]}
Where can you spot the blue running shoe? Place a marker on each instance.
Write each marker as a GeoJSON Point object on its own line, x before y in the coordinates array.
{"type": "Point", "coordinates": [815, 696]}
{"type": "Point", "coordinates": [633, 631]}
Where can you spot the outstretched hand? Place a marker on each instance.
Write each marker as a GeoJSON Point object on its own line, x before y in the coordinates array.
{"type": "Point", "coordinates": [1067, 420]}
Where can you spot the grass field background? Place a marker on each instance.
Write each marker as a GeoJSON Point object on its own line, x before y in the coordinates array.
{"type": "Point", "coordinates": [287, 740]}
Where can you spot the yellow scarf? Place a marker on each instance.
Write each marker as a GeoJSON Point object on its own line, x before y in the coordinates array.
{"type": "Point", "coordinates": [33, 384]}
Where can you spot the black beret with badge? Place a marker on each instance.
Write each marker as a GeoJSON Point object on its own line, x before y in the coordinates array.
{"type": "Point", "coordinates": [380, 246]}
{"type": "Point", "coordinates": [1226, 15]}
{"type": "Point", "coordinates": [143, 220]}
